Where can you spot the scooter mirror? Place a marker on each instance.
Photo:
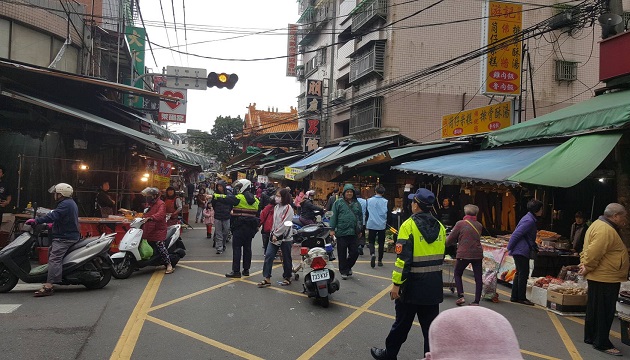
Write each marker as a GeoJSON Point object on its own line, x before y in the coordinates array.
{"type": "Point", "coordinates": [288, 223]}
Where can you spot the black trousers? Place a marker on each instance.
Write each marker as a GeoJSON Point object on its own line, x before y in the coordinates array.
{"type": "Point", "coordinates": [519, 285]}
{"type": "Point", "coordinates": [348, 252]}
{"type": "Point", "coordinates": [600, 313]}
{"type": "Point", "coordinates": [405, 314]}
{"type": "Point", "coordinates": [242, 234]}
{"type": "Point", "coordinates": [381, 242]}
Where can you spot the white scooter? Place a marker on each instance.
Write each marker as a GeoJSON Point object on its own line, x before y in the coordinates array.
{"type": "Point", "coordinates": [128, 256]}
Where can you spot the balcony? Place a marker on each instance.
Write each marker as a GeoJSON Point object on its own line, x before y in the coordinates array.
{"type": "Point", "coordinates": [367, 12]}
{"type": "Point", "coordinates": [366, 115]}
{"type": "Point", "coordinates": [368, 61]}
{"type": "Point", "coordinates": [312, 20]}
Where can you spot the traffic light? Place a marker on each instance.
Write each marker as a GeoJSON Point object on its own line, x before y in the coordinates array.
{"type": "Point", "coordinates": [222, 80]}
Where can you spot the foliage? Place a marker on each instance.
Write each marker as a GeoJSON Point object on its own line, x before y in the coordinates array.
{"type": "Point", "coordinates": [220, 141]}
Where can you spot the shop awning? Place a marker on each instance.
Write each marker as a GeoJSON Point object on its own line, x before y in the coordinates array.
{"type": "Point", "coordinates": [569, 163]}
{"type": "Point", "coordinates": [168, 150]}
{"type": "Point", "coordinates": [155, 128]}
{"type": "Point", "coordinates": [314, 158]}
{"type": "Point", "coordinates": [335, 153]}
{"type": "Point", "coordinates": [603, 112]}
{"type": "Point", "coordinates": [396, 153]}
{"type": "Point", "coordinates": [279, 174]}
{"type": "Point", "coordinates": [488, 166]}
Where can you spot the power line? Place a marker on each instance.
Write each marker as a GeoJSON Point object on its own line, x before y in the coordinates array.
{"type": "Point", "coordinates": [185, 30]}
{"type": "Point", "coordinates": [165, 29]}
{"type": "Point", "coordinates": [147, 35]}
{"type": "Point", "coordinates": [175, 23]}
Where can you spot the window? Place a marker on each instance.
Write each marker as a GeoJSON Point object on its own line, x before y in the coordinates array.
{"type": "Point", "coordinates": [369, 60]}
{"type": "Point", "coordinates": [566, 70]}
{"type": "Point", "coordinates": [322, 53]}
{"type": "Point", "coordinates": [366, 115]}
{"type": "Point", "coordinates": [366, 12]}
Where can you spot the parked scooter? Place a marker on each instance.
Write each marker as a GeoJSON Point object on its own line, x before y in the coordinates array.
{"type": "Point", "coordinates": [128, 257]}
{"type": "Point", "coordinates": [317, 247]}
{"type": "Point", "coordinates": [86, 263]}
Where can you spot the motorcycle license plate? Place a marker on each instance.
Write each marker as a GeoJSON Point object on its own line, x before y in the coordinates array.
{"type": "Point", "coordinates": [320, 275]}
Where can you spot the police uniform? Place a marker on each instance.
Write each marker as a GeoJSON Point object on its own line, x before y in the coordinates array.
{"type": "Point", "coordinates": [244, 224]}
{"type": "Point", "coordinates": [418, 272]}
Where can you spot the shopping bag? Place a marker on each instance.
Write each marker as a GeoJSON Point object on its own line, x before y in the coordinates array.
{"type": "Point", "coordinates": [146, 251]}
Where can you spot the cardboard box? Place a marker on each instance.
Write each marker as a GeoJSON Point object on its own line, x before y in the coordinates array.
{"type": "Point", "coordinates": [563, 299]}
{"type": "Point", "coordinates": [623, 309]}
{"type": "Point", "coordinates": [538, 296]}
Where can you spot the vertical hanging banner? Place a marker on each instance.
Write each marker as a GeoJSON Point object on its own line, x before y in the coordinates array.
{"type": "Point", "coordinates": [173, 111]}
{"type": "Point", "coordinates": [292, 48]}
{"type": "Point", "coordinates": [136, 38]}
{"type": "Point", "coordinates": [501, 67]}
{"type": "Point", "coordinates": [160, 172]}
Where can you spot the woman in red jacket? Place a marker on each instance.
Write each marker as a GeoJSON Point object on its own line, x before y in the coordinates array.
{"type": "Point", "coordinates": [266, 221]}
{"type": "Point", "coordinates": [155, 227]}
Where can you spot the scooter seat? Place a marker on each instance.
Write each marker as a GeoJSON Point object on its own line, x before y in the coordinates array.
{"type": "Point", "coordinates": [40, 270]}
{"type": "Point", "coordinates": [170, 231]}
{"type": "Point", "coordinates": [81, 243]}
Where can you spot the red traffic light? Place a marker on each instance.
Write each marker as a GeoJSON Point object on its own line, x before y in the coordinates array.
{"type": "Point", "coordinates": [222, 80]}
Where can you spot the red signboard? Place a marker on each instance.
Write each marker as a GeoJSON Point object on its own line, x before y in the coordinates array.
{"type": "Point", "coordinates": [292, 47]}
{"type": "Point", "coordinates": [614, 53]}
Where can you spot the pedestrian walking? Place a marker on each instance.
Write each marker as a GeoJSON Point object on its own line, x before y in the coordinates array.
{"type": "Point", "coordinates": [376, 224]}
{"type": "Point", "coordinates": [200, 200]}
{"type": "Point", "coordinates": [266, 222]}
{"type": "Point", "coordinates": [522, 247]}
{"type": "Point", "coordinates": [346, 224]}
{"type": "Point", "coordinates": [281, 238]}
{"type": "Point", "coordinates": [417, 276]}
{"type": "Point", "coordinates": [222, 214]}
{"type": "Point", "coordinates": [604, 263]}
{"type": "Point", "coordinates": [466, 234]}
{"type": "Point", "coordinates": [361, 236]}
{"type": "Point", "coordinates": [332, 198]}
{"type": "Point", "coordinates": [208, 218]}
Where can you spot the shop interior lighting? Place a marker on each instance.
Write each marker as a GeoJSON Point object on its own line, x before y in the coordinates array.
{"type": "Point", "coordinates": [144, 179]}
{"type": "Point", "coordinates": [601, 180]}
{"type": "Point", "coordinates": [146, 175]}
{"type": "Point", "coordinates": [83, 167]}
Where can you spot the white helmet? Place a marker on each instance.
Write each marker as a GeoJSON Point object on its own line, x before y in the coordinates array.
{"type": "Point", "coordinates": [62, 188]}
{"type": "Point", "coordinates": [310, 193]}
{"type": "Point", "coordinates": [242, 185]}
{"type": "Point", "coordinates": [150, 191]}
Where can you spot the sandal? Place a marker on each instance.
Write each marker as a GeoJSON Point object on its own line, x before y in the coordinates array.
{"type": "Point", "coordinates": [44, 291]}
{"type": "Point", "coordinates": [612, 351]}
{"type": "Point", "coordinates": [169, 271]}
{"type": "Point", "coordinates": [461, 301]}
{"type": "Point", "coordinates": [264, 284]}
{"type": "Point", "coordinates": [285, 282]}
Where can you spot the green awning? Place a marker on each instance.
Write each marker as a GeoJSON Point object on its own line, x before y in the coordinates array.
{"type": "Point", "coordinates": [569, 163]}
{"type": "Point", "coordinates": [607, 111]}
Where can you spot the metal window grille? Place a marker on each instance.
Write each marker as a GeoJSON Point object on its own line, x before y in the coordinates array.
{"type": "Point", "coordinates": [366, 115]}
{"type": "Point", "coordinates": [566, 70]}
{"type": "Point", "coordinates": [311, 66]}
{"type": "Point", "coordinates": [369, 61]}
{"type": "Point", "coordinates": [367, 11]}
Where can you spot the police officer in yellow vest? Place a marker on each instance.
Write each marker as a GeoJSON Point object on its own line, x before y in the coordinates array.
{"type": "Point", "coordinates": [244, 224]}
{"type": "Point", "coordinates": [417, 276]}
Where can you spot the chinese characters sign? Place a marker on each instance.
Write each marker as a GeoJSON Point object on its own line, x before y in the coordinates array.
{"type": "Point", "coordinates": [312, 128]}
{"type": "Point", "coordinates": [289, 173]}
{"type": "Point", "coordinates": [481, 120]}
{"type": "Point", "coordinates": [292, 47]}
{"type": "Point", "coordinates": [136, 39]}
{"type": "Point", "coordinates": [173, 111]}
{"type": "Point", "coordinates": [314, 95]}
{"type": "Point", "coordinates": [161, 173]}
{"type": "Point", "coordinates": [501, 73]}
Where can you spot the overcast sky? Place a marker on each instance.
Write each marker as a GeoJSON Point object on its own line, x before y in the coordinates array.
{"type": "Point", "coordinates": [261, 82]}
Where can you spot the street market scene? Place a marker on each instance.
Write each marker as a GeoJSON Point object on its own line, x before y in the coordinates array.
{"type": "Point", "coordinates": [399, 189]}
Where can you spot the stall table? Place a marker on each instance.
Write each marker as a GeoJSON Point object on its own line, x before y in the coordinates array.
{"type": "Point", "coordinates": [550, 263]}
{"type": "Point", "coordinates": [91, 226]}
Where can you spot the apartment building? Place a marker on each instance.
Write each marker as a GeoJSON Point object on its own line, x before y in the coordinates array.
{"type": "Point", "coordinates": [354, 48]}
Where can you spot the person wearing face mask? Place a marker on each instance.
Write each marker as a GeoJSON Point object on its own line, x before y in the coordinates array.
{"type": "Point", "coordinates": [521, 245]}
{"type": "Point", "coordinates": [280, 238]}
{"type": "Point", "coordinates": [155, 227]}
{"type": "Point", "coordinates": [307, 216]}
{"type": "Point", "coordinates": [65, 233]}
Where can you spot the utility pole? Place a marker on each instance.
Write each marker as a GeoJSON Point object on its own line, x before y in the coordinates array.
{"type": "Point", "coordinates": [327, 128]}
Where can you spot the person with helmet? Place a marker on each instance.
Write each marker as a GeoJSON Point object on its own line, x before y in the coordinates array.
{"type": "Point", "coordinates": [65, 233]}
{"type": "Point", "coordinates": [222, 214]}
{"type": "Point", "coordinates": [307, 216]}
{"type": "Point", "coordinates": [244, 225]}
{"type": "Point", "coordinates": [154, 230]}
{"type": "Point", "coordinates": [418, 272]}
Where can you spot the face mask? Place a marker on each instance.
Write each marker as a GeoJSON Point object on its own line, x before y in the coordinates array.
{"type": "Point", "coordinates": [278, 199]}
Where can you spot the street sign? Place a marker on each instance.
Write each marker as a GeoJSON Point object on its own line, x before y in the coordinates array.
{"type": "Point", "coordinates": [186, 78]}
{"type": "Point", "coordinates": [173, 111]}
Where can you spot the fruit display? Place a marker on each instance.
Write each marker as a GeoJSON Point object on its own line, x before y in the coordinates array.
{"type": "Point", "coordinates": [507, 275]}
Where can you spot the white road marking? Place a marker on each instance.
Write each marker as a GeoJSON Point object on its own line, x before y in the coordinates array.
{"type": "Point", "coordinates": [8, 308]}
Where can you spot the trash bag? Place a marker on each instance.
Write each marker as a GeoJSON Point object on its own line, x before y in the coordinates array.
{"type": "Point", "coordinates": [146, 251]}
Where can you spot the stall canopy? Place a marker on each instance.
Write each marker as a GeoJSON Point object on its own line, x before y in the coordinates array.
{"type": "Point", "coordinates": [491, 166]}
{"type": "Point", "coordinates": [603, 112]}
{"type": "Point", "coordinates": [335, 153]}
{"type": "Point", "coordinates": [396, 153]}
{"type": "Point", "coordinates": [168, 150]}
{"type": "Point", "coordinates": [569, 163]}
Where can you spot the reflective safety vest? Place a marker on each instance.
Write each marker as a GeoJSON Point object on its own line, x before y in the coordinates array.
{"type": "Point", "coordinates": [415, 255]}
{"type": "Point", "coordinates": [244, 208]}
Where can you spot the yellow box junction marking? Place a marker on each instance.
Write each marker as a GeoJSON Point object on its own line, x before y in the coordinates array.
{"type": "Point", "coordinates": [568, 343]}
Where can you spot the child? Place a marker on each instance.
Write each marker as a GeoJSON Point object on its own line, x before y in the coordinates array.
{"type": "Point", "coordinates": [208, 218]}
{"type": "Point", "coordinates": [266, 221]}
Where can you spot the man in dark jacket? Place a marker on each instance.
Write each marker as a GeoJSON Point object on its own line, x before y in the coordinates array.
{"type": "Point", "coordinates": [331, 200]}
{"type": "Point", "coordinates": [65, 233]}
{"type": "Point", "coordinates": [105, 204]}
{"type": "Point", "coordinates": [418, 271]}
{"type": "Point", "coordinates": [222, 214]}
{"type": "Point", "coordinates": [309, 210]}
{"type": "Point", "coordinates": [347, 223]}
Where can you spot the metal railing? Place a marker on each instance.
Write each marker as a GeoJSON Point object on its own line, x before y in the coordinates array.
{"type": "Point", "coordinates": [366, 115]}
{"type": "Point", "coordinates": [367, 11]}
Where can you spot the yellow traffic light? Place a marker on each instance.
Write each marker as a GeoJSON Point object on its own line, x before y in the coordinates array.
{"type": "Point", "coordinates": [223, 77]}
{"type": "Point", "coordinates": [222, 80]}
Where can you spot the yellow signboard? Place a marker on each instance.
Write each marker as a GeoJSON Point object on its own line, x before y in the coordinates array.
{"type": "Point", "coordinates": [502, 66]}
{"type": "Point", "coordinates": [289, 173]}
{"type": "Point", "coordinates": [481, 120]}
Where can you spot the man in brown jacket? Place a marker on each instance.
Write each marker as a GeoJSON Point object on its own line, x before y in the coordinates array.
{"type": "Point", "coordinates": [604, 263]}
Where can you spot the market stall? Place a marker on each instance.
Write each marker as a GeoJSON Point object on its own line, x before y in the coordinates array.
{"type": "Point", "coordinates": [91, 226]}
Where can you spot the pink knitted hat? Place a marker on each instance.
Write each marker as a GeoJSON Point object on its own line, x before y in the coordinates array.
{"type": "Point", "coordinates": [472, 332]}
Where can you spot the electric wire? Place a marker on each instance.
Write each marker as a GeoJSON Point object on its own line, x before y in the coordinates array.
{"type": "Point", "coordinates": [175, 25]}
{"type": "Point", "coordinates": [168, 38]}
{"type": "Point", "coordinates": [147, 34]}
{"type": "Point", "coordinates": [185, 31]}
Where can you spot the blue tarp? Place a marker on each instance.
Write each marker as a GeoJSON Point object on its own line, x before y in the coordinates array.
{"type": "Point", "coordinates": [493, 166]}
{"type": "Point", "coordinates": [312, 159]}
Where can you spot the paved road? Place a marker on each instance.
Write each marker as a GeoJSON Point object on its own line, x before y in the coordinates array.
{"type": "Point", "coordinates": [197, 313]}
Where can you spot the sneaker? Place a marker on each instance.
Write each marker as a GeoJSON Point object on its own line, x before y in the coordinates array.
{"type": "Point", "coordinates": [245, 272]}
{"type": "Point", "coordinates": [380, 263]}
{"type": "Point", "coordinates": [349, 273]}
{"type": "Point", "coordinates": [235, 275]}
{"type": "Point", "coordinates": [344, 276]}
{"type": "Point", "coordinates": [373, 261]}
{"type": "Point", "coordinates": [219, 252]}
{"type": "Point", "coordinates": [527, 302]}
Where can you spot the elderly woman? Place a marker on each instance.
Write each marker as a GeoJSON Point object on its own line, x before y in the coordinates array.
{"type": "Point", "coordinates": [467, 235]}
{"type": "Point", "coordinates": [521, 244]}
